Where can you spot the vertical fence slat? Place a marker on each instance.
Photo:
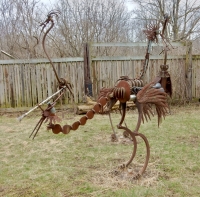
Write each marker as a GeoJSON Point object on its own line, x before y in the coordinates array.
{"type": "Point", "coordinates": [2, 93]}
{"type": "Point", "coordinates": [197, 78]}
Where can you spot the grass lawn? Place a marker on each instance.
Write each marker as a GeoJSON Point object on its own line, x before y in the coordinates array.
{"type": "Point", "coordinates": [85, 162]}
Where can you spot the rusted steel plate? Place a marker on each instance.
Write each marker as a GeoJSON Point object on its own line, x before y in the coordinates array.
{"type": "Point", "coordinates": [56, 129]}
{"type": "Point", "coordinates": [97, 108]}
{"type": "Point", "coordinates": [103, 101]}
{"type": "Point", "coordinates": [90, 114]}
{"type": "Point", "coordinates": [83, 120]}
{"type": "Point", "coordinates": [66, 129]}
{"type": "Point", "coordinates": [123, 91]}
{"type": "Point", "coordinates": [75, 125]}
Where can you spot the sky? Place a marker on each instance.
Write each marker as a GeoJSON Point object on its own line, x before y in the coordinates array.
{"type": "Point", "coordinates": [129, 4]}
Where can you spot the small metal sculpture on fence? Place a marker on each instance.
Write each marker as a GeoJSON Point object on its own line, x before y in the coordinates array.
{"type": "Point", "coordinates": [125, 89]}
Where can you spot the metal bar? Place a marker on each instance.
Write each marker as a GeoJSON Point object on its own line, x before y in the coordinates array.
{"type": "Point", "coordinates": [21, 117]}
{"type": "Point", "coordinates": [7, 54]}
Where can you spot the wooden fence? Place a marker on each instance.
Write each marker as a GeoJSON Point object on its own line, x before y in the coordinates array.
{"type": "Point", "coordinates": [24, 83]}
{"type": "Point", "coordinates": [28, 82]}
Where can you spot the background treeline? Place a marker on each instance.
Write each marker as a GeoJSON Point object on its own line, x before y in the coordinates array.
{"type": "Point", "coordinates": [84, 21]}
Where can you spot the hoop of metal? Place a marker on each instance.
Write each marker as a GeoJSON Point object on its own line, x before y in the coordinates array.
{"type": "Point", "coordinates": [133, 135]}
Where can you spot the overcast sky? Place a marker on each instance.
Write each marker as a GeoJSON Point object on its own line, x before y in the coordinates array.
{"type": "Point", "coordinates": [129, 4]}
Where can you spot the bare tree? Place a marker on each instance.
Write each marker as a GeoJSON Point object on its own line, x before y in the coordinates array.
{"type": "Point", "coordinates": [19, 22]}
{"type": "Point", "coordinates": [185, 15]}
{"type": "Point", "coordinates": [80, 21]}
{"type": "Point", "coordinates": [92, 21]}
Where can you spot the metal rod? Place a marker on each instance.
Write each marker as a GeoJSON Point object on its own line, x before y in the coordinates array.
{"type": "Point", "coordinates": [165, 56]}
{"type": "Point", "coordinates": [41, 120]}
{"type": "Point", "coordinates": [7, 54]}
{"type": "Point", "coordinates": [21, 117]}
{"type": "Point", "coordinates": [40, 123]}
{"type": "Point", "coordinates": [112, 124]}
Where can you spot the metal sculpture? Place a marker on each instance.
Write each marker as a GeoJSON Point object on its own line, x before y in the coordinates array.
{"type": "Point", "coordinates": [152, 32]}
{"type": "Point", "coordinates": [49, 114]}
{"type": "Point", "coordinates": [125, 89]}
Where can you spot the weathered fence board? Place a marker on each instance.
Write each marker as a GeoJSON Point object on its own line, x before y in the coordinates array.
{"type": "Point", "coordinates": [196, 78]}
{"type": "Point", "coordinates": [27, 85]}
{"type": "Point", "coordinates": [107, 72]}
{"type": "Point", "coordinates": [24, 83]}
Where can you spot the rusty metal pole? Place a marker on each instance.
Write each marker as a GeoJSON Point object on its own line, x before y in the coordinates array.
{"type": "Point", "coordinates": [163, 73]}
{"type": "Point", "coordinates": [188, 69]}
{"type": "Point", "coordinates": [87, 78]}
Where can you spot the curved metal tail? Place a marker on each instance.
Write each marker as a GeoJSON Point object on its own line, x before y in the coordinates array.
{"type": "Point", "coordinates": [82, 121]}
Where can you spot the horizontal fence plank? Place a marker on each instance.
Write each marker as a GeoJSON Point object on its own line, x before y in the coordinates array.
{"type": "Point", "coordinates": [126, 58]}
{"type": "Point", "coordinates": [133, 44]}
{"type": "Point", "coordinates": [106, 58]}
{"type": "Point", "coordinates": [37, 61]}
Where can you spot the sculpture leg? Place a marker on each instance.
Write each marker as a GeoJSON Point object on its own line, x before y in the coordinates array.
{"type": "Point", "coordinates": [37, 127]}
{"type": "Point", "coordinates": [139, 107]}
{"type": "Point", "coordinates": [125, 133]}
{"type": "Point", "coordinates": [133, 135]}
{"type": "Point", "coordinates": [110, 104]}
{"type": "Point", "coordinates": [123, 105]}
{"type": "Point", "coordinates": [147, 155]}
{"type": "Point", "coordinates": [134, 146]}
{"type": "Point", "coordinates": [114, 136]}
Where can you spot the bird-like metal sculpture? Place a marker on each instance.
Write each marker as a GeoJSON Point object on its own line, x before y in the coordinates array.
{"type": "Point", "coordinates": [146, 97]}
{"type": "Point", "coordinates": [49, 114]}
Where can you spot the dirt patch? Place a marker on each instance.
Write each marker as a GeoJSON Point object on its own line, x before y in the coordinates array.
{"type": "Point", "coordinates": [122, 178]}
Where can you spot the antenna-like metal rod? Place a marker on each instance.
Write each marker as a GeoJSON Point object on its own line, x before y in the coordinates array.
{"type": "Point", "coordinates": [7, 54]}
{"type": "Point", "coordinates": [21, 117]}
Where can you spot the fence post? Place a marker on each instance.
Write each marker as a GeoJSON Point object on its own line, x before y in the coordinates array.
{"type": "Point", "coordinates": [188, 69]}
{"type": "Point", "coordinates": [87, 77]}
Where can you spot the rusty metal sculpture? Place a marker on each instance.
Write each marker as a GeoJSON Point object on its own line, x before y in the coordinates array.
{"type": "Point", "coordinates": [125, 89]}
{"type": "Point", "coordinates": [152, 32]}
{"type": "Point", "coordinates": [49, 114]}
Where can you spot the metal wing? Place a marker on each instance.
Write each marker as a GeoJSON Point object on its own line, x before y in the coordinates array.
{"type": "Point", "coordinates": [149, 96]}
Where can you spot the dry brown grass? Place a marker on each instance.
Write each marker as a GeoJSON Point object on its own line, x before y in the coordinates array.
{"type": "Point", "coordinates": [85, 162]}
